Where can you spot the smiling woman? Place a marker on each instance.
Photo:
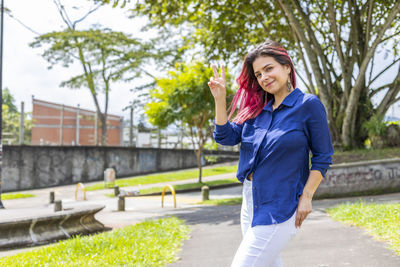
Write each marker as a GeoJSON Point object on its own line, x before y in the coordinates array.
{"type": "Point", "coordinates": [277, 126]}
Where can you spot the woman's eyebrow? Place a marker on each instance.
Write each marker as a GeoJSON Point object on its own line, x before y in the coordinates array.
{"type": "Point", "coordinates": [264, 67]}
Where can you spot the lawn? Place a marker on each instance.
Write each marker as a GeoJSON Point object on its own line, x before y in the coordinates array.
{"type": "Point", "coordinates": [180, 187]}
{"type": "Point", "coordinates": [151, 243]}
{"type": "Point", "coordinates": [365, 154]}
{"type": "Point", "coordinates": [222, 202]}
{"type": "Point", "coordinates": [380, 220]}
{"type": "Point", "coordinates": [8, 196]}
{"type": "Point", "coordinates": [166, 177]}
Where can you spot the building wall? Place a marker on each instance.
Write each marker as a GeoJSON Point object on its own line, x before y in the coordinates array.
{"type": "Point", "coordinates": [47, 120]}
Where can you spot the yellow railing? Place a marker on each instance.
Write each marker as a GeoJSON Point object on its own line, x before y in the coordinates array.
{"type": "Point", "coordinates": [163, 193]}
{"type": "Point", "coordinates": [80, 185]}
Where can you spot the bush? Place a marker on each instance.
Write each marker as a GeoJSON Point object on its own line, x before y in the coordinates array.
{"type": "Point", "coordinates": [376, 129]}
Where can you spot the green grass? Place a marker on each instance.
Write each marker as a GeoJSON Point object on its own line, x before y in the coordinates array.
{"type": "Point", "coordinates": [8, 196]}
{"type": "Point", "coordinates": [365, 154]}
{"type": "Point", "coordinates": [179, 187]}
{"type": "Point", "coordinates": [151, 243]}
{"type": "Point", "coordinates": [223, 201]}
{"type": "Point", "coordinates": [380, 220]}
{"type": "Point", "coordinates": [166, 177]}
{"type": "Point", "coordinates": [190, 186]}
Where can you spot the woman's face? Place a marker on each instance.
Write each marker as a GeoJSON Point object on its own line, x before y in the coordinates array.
{"type": "Point", "coordinates": [271, 75]}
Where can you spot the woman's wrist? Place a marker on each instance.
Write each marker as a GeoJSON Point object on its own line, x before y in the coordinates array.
{"type": "Point", "coordinates": [307, 194]}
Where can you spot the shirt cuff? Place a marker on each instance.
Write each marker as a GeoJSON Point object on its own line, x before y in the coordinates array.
{"type": "Point", "coordinates": [221, 128]}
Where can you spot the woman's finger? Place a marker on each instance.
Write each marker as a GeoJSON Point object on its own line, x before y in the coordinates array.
{"type": "Point", "coordinates": [215, 71]}
{"type": "Point", "coordinates": [298, 219]}
{"type": "Point", "coordinates": [223, 72]}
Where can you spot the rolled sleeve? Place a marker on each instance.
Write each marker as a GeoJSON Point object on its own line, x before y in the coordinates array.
{"type": "Point", "coordinates": [320, 137]}
{"type": "Point", "coordinates": [228, 134]}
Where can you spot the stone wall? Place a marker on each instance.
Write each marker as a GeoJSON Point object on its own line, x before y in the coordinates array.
{"type": "Point", "coordinates": [364, 176]}
{"type": "Point", "coordinates": [29, 167]}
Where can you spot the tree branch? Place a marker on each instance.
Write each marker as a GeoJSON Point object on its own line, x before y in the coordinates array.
{"type": "Point", "coordinates": [332, 19]}
{"type": "Point", "coordinates": [258, 17]}
{"type": "Point", "coordinates": [390, 37]}
{"type": "Point", "coordinates": [380, 88]}
{"type": "Point", "coordinates": [63, 14]}
{"type": "Point", "coordinates": [369, 22]}
{"type": "Point", "coordinates": [87, 14]}
{"type": "Point", "coordinates": [318, 49]}
{"type": "Point", "coordinates": [384, 70]}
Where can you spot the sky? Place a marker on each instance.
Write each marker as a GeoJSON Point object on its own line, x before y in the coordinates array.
{"type": "Point", "coordinates": [26, 73]}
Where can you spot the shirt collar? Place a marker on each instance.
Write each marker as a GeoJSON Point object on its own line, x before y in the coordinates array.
{"type": "Point", "coordinates": [288, 101]}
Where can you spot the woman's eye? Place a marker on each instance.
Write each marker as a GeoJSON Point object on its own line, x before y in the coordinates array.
{"type": "Point", "coordinates": [268, 69]}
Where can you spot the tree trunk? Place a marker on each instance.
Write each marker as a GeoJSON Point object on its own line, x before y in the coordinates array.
{"type": "Point", "coordinates": [103, 118]}
{"type": "Point", "coordinates": [198, 156]}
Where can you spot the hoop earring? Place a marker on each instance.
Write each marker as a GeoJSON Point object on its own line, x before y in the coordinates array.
{"type": "Point", "coordinates": [289, 85]}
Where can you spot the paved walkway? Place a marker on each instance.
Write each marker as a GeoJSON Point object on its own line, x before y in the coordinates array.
{"type": "Point", "coordinates": [216, 231]}
{"type": "Point", "coordinates": [321, 241]}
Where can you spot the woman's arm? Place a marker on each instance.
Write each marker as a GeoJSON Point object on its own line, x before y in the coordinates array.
{"type": "Point", "coordinates": [225, 133]}
{"type": "Point", "coordinates": [322, 151]}
{"type": "Point", "coordinates": [305, 207]}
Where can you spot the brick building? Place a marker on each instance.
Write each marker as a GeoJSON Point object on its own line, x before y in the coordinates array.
{"type": "Point", "coordinates": [55, 124]}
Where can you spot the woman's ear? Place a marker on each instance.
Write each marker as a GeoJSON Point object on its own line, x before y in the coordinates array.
{"type": "Point", "coordinates": [287, 68]}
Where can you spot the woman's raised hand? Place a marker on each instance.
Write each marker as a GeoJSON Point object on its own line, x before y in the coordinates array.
{"type": "Point", "coordinates": [217, 83]}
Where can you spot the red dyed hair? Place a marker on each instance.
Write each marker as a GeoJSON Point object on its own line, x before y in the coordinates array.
{"type": "Point", "coordinates": [252, 97]}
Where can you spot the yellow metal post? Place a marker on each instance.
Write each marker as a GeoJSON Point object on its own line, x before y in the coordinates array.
{"type": "Point", "coordinates": [163, 193]}
{"type": "Point", "coordinates": [80, 185]}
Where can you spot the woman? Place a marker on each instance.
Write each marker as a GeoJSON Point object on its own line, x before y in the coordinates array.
{"type": "Point", "coordinates": [277, 125]}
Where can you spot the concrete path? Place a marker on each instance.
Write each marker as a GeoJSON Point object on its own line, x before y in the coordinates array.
{"type": "Point", "coordinates": [321, 241]}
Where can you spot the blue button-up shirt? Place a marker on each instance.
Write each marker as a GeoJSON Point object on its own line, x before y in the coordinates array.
{"type": "Point", "coordinates": [275, 146]}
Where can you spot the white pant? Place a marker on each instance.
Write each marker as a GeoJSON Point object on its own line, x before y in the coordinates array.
{"type": "Point", "coordinates": [261, 244]}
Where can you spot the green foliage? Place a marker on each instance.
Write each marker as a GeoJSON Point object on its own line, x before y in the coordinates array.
{"type": "Point", "coordinates": [105, 56]}
{"type": "Point", "coordinates": [151, 243]}
{"type": "Point", "coordinates": [184, 96]}
{"type": "Point", "coordinates": [11, 121]}
{"type": "Point", "coordinates": [223, 29]}
{"type": "Point", "coordinates": [211, 146]}
{"type": "Point", "coordinates": [375, 126]}
{"type": "Point", "coordinates": [222, 202]}
{"type": "Point", "coordinates": [380, 220]}
{"type": "Point", "coordinates": [182, 187]}
{"type": "Point", "coordinates": [328, 39]}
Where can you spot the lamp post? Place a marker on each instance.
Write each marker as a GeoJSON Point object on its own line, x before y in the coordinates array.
{"type": "Point", "coordinates": [1, 95]}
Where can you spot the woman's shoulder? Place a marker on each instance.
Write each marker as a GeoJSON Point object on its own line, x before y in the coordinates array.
{"type": "Point", "coordinates": [310, 100]}
{"type": "Point", "coordinates": [310, 97]}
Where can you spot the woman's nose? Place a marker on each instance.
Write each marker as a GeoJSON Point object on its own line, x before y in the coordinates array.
{"type": "Point", "coordinates": [264, 76]}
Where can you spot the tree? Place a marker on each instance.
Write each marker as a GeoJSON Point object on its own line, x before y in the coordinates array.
{"type": "Point", "coordinates": [11, 120]}
{"type": "Point", "coordinates": [337, 43]}
{"type": "Point", "coordinates": [105, 57]}
{"type": "Point", "coordinates": [184, 97]}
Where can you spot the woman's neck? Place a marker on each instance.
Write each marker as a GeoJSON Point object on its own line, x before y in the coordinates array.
{"type": "Point", "coordinates": [279, 97]}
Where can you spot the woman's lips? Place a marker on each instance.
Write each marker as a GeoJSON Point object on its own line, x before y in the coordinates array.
{"type": "Point", "coordinates": [269, 84]}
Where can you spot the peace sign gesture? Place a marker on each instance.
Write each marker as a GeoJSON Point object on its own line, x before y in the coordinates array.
{"type": "Point", "coordinates": [217, 83]}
